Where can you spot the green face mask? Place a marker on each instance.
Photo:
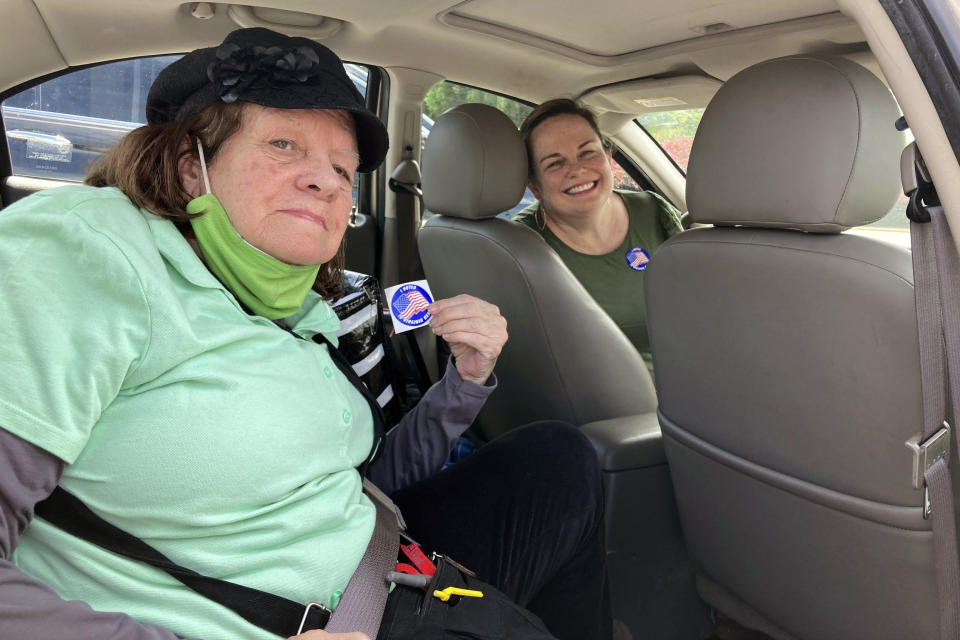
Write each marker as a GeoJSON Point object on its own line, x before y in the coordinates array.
{"type": "Point", "coordinates": [265, 285]}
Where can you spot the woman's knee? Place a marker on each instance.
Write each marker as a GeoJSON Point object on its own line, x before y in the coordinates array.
{"type": "Point", "coordinates": [557, 457]}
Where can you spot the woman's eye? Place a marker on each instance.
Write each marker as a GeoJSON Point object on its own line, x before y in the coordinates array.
{"type": "Point", "coordinates": [283, 145]}
{"type": "Point", "coordinates": [556, 164]}
{"type": "Point", "coordinates": [345, 173]}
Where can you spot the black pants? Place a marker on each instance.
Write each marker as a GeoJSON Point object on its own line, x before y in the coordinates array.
{"type": "Point", "coordinates": [526, 513]}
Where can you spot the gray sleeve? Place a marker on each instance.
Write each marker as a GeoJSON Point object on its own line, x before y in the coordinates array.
{"type": "Point", "coordinates": [419, 445]}
{"type": "Point", "coordinates": [28, 608]}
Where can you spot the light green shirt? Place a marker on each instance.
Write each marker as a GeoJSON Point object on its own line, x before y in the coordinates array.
{"type": "Point", "coordinates": [218, 438]}
{"type": "Point", "coordinates": [609, 278]}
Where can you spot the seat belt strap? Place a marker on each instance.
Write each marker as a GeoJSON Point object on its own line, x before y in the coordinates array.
{"type": "Point", "coordinates": [936, 275]}
{"type": "Point", "coordinates": [270, 612]}
{"type": "Point", "coordinates": [361, 606]}
{"type": "Point", "coordinates": [945, 547]}
{"type": "Point", "coordinates": [405, 182]}
{"type": "Point", "coordinates": [941, 486]}
{"type": "Point", "coordinates": [365, 598]}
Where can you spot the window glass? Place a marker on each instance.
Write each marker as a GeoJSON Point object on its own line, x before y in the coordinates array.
{"type": "Point", "coordinates": [56, 128]}
{"type": "Point", "coordinates": [674, 132]}
{"type": "Point", "coordinates": [623, 180]}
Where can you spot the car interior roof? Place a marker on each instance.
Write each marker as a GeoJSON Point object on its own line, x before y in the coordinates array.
{"type": "Point", "coordinates": [518, 49]}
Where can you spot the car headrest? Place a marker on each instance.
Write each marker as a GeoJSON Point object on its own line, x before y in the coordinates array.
{"type": "Point", "coordinates": [474, 164]}
{"type": "Point", "coordinates": [801, 142]}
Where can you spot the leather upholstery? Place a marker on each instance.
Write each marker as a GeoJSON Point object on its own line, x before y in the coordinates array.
{"type": "Point", "coordinates": [787, 362]}
{"type": "Point", "coordinates": [565, 359]}
{"type": "Point", "coordinates": [473, 168]}
{"type": "Point", "coordinates": [808, 154]}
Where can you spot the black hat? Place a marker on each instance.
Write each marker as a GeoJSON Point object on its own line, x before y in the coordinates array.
{"type": "Point", "coordinates": [270, 69]}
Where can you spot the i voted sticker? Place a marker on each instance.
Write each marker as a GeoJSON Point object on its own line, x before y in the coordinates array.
{"type": "Point", "coordinates": [408, 305]}
{"type": "Point", "coordinates": [638, 258]}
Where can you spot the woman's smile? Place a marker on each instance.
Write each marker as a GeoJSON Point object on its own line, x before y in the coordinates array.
{"type": "Point", "coordinates": [581, 188]}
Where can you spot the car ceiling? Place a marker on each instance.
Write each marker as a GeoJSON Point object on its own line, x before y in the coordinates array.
{"type": "Point", "coordinates": [532, 50]}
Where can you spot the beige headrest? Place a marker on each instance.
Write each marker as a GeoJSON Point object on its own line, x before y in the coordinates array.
{"type": "Point", "coordinates": [474, 164]}
{"type": "Point", "coordinates": [801, 142]}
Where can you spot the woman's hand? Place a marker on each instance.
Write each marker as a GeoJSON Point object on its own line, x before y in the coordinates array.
{"type": "Point", "coordinates": [475, 331]}
{"type": "Point", "coordinates": [319, 634]}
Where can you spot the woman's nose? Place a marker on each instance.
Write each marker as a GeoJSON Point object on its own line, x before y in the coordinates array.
{"type": "Point", "coordinates": [575, 166]}
{"type": "Point", "coordinates": [321, 178]}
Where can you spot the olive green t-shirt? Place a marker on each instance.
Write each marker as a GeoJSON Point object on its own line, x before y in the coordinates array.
{"type": "Point", "coordinates": [615, 279]}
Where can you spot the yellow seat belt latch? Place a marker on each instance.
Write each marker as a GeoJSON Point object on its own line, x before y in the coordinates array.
{"type": "Point", "coordinates": [445, 594]}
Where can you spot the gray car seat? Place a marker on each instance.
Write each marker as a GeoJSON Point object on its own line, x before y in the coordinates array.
{"type": "Point", "coordinates": [787, 361]}
{"type": "Point", "coordinates": [565, 359]}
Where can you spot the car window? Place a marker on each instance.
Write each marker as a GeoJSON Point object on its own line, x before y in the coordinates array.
{"type": "Point", "coordinates": [674, 132]}
{"type": "Point", "coordinates": [56, 128]}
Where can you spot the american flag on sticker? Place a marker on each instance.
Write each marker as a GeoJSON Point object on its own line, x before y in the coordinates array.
{"type": "Point", "coordinates": [411, 303]}
{"type": "Point", "coordinates": [637, 259]}
{"type": "Point", "coordinates": [408, 305]}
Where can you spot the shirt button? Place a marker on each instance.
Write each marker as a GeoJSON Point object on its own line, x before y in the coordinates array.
{"type": "Point", "coordinates": [346, 416]}
{"type": "Point", "coordinates": [327, 371]}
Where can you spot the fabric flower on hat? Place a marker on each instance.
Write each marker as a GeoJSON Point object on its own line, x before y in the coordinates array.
{"type": "Point", "coordinates": [237, 69]}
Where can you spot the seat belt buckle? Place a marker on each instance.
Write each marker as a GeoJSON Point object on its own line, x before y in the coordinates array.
{"type": "Point", "coordinates": [925, 455]}
{"type": "Point", "coordinates": [324, 612]}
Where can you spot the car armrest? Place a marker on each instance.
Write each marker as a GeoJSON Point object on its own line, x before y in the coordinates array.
{"type": "Point", "coordinates": [629, 442]}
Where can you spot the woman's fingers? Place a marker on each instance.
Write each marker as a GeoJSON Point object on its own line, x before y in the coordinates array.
{"type": "Point", "coordinates": [466, 314]}
{"type": "Point", "coordinates": [475, 331]}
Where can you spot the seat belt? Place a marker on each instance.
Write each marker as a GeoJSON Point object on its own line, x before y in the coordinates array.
{"type": "Point", "coordinates": [360, 609]}
{"type": "Point", "coordinates": [405, 182]}
{"type": "Point", "coordinates": [936, 268]}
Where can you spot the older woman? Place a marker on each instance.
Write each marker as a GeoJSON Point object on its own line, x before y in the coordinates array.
{"type": "Point", "coordinates": [167, 358]}
{"type": "Point", "coordinates": [605, 236]}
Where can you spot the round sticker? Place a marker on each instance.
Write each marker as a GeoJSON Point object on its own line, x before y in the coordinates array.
{"type": "Point", "coordinates": [638, 258]}
{"type": "Point", "coordinates": [409, 305]}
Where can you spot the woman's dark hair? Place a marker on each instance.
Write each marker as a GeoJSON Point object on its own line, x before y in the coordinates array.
{"type": "Point", "coordinates": [145, 166]}
{"type": "Point", "coordinates": [558, 107]}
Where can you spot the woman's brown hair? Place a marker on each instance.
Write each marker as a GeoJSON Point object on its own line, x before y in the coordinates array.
{"type": "Point", "coordinates": [557, 107]}
{"type": "Point", "coordinates": [145, 166]}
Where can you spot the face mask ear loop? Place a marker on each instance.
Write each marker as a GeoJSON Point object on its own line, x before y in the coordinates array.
{"type": "Point", "coordinates": [203, 165]}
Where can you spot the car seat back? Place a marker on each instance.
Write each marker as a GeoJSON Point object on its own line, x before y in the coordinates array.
{"type": "Point", "coordinates": [565, 359]}
{"type": "Point", "coordinates": [787, 361]}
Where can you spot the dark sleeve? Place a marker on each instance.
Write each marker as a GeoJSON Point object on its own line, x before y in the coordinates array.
{"type": "Point", "coordinates": [28, 608]}
{"type": "Point", "coordinates": [668, 215]}
{"type": "Point", "coordinates": [419, 445]}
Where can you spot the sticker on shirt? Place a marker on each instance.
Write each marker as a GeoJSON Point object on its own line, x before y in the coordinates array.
{"type": "Point", "coordinates": [638, 258]}
{"type": "Point", "coordinates": [408, 305]}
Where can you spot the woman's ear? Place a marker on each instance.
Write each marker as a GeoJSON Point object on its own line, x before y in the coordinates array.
{"type": "Point", "coordinates": [188, 166]}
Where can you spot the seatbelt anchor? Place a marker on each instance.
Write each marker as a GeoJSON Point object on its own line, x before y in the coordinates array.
{"type": "Point", "coordinates": [326, 613]}
{"type": "Point", "coordinates": [925, 455]}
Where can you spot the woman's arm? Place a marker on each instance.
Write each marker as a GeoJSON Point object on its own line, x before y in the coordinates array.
{"type": "Point", "coordinates": [421, 442]}
{"type": "Point", "coordinates": [418, 446]}
{"type": "Point", "coordinates": [28, 608]}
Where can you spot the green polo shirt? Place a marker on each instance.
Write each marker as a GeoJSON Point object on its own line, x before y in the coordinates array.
{"type": "Point", "coordinates": [218, 438]}
{"type": "Point", "coordinates": [609, 278]}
